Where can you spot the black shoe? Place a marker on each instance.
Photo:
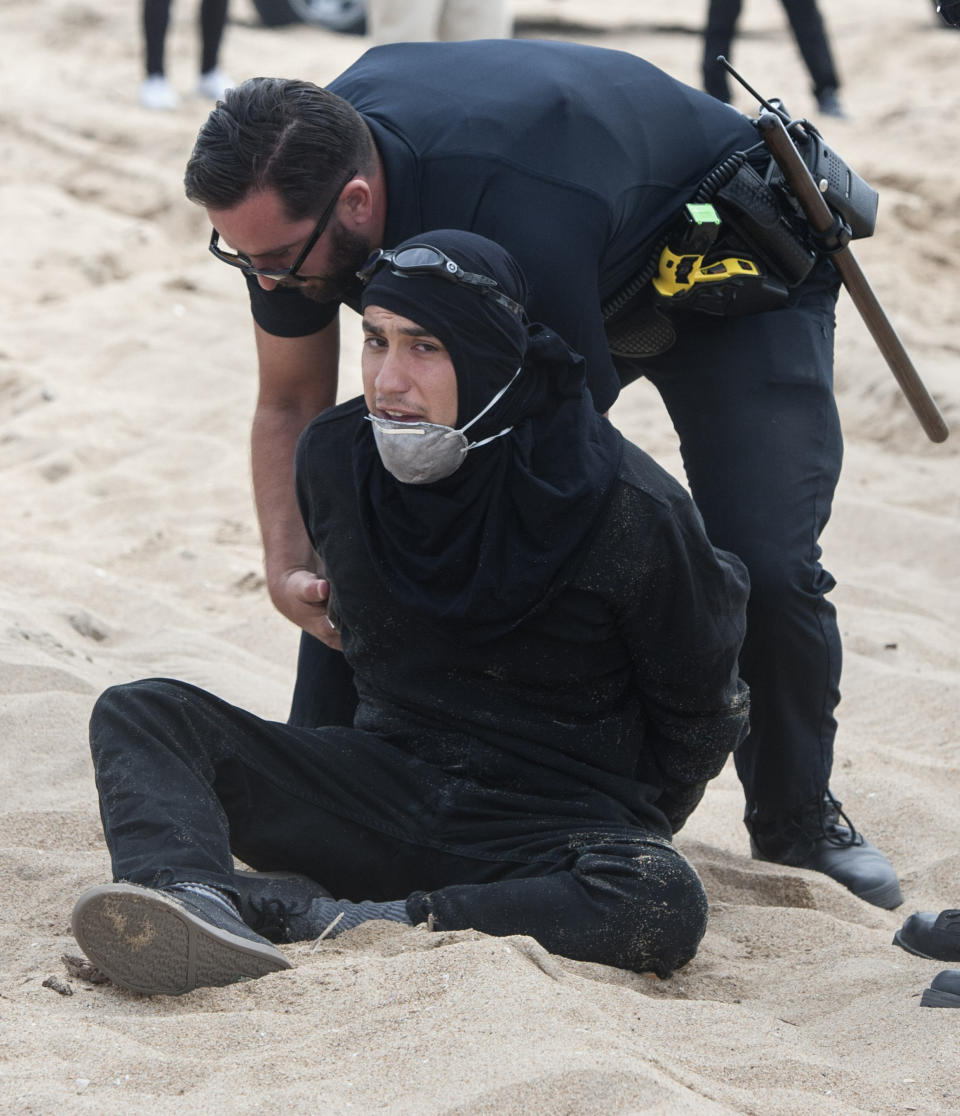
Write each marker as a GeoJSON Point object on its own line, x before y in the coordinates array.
{"type": "Point", "coordinates": [812, 837]}
{"type": "Point", "coordinates": [944, 990]}
{"type": "Point", "coordinates": [926, 934]}
{"type": "Point", "coordinates": [277, 904]}
{"type": "Point", "coordinates": [829, 103]}
{"type": "Point", "coordinates": [155, 942]}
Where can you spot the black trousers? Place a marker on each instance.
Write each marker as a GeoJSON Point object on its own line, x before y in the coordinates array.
{"type": "Point", "coordinates": [185, 780]}
{"type": "Point", "coordinates": [808, 30]}
{"type": "Point", "coordinates": [751, 399]}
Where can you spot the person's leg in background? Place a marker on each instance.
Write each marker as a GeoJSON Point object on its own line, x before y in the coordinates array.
{"type": "Point", "coordinates": [213, 82]}
{"type": "Point", "coordinates": [155, 91]}
{"type": "Point", "coordinates": [811, 35]}
{"type": "Point", "coordinates": [722, 16]}
{"type": "Point", "coordinates": [752, 401]}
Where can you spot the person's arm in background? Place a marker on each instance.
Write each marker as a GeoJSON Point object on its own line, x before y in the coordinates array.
{"type": "Point", "coordinates": [298, 380]}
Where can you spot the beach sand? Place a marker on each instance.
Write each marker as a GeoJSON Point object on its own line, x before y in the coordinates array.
{"type": "Point", "coordinates": [129, 547]}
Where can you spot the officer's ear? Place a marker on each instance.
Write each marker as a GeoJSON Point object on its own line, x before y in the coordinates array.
{"type": "Point", "coordinates": [356, 201]}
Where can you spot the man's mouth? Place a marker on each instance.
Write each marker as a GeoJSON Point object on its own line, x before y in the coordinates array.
{"type": "Point", "coordinates": [398, 416]}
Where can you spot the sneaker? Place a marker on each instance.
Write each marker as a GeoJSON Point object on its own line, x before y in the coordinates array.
{"type": "Point", "coordinates": [213, 84]}
{"type": "Point", "coordinates": [286, 907]}
{"type": "Point", "coordinates": [812, 837]}
{"type": "Point", "coordinates": [157, 93]}
{"type": "Point", "coordinates": [155, 943]}
{"type": "Point", "coordinates": [944, 990]}
{"type": "Point", "coordinates": [277, 904]}
{"type": "Point", "coordinates": [926, 934]}
{"type": "Point", "coordinates": [829, 104]}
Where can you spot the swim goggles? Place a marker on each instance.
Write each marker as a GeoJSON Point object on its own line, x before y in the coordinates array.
{"type": "Point", "coordinates": [424, 259]}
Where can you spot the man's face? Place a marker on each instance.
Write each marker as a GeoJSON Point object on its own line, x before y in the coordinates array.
{"type": "Point", "coordinates": [259, 229]}
{"type": "Point", "coordinates": [346, 253]}
{"type": "Point", "coordinates": [408, 375]}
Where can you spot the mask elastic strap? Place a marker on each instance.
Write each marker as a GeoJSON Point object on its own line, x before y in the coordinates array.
{"type": "Point", "coordinates": [483, 441]}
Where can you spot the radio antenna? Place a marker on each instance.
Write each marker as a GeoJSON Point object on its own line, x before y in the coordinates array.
{"type": "Point", "coordinates": [768, 105]}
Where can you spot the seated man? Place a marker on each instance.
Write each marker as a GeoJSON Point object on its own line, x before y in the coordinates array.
{"type": "Point", "coordinates": [545, 648]}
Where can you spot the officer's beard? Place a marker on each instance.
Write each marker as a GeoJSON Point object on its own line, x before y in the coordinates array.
{"type": "Point", "coordinates": [348, 253]}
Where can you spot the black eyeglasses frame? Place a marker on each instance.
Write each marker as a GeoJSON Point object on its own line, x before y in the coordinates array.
{"type": "Point", "coordinates": [279, 274]}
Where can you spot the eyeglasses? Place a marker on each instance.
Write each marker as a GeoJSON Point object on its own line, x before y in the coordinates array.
{"type": "Point", "coordinates": [238, 259]}
{"type": "Point", "coordinates": [424, 259]}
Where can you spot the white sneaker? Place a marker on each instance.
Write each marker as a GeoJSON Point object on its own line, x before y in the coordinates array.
{"type": "Point", "coordinates": [213, 84]}
{"type": "Point", "coordinates": [157, 93]}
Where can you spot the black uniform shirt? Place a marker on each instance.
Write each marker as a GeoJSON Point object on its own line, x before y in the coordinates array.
{"type": "Point", "coordinates": [571, 157]}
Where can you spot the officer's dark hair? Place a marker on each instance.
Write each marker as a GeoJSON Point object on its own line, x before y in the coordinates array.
{"type": "Point", "coordinates": [291, 136]}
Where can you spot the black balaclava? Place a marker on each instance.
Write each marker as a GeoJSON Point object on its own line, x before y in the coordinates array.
{"type": "Point", "coordinates": [486, 545]}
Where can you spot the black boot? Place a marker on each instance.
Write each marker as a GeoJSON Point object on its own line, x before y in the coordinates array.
{"type": "Point", "coordinates": [812, 837]}
{"type": "Point", "coordinates": [944, 990]}
{"type": "Point", "coordinates": [931, 935]}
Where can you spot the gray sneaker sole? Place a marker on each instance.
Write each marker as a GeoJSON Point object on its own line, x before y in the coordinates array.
{"type": "Point", "coordinates": [146, 942]}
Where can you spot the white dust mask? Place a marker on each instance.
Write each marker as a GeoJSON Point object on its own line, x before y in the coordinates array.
{"type": "Point", "coordinates": [424, 452]}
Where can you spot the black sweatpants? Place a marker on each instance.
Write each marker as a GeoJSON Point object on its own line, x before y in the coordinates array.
{"type": "Point", "coordinates": [185, 780]}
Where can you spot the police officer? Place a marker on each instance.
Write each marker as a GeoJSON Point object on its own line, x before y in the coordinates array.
{"type": "Point", "coordinates": [577, 160]}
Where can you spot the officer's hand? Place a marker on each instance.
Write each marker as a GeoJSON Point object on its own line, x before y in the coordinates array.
{"type": "Point", "coordinates": [302, 597]}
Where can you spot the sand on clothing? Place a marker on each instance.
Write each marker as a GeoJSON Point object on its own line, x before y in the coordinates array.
{"type": "Point", "coordinates": [129, 548]}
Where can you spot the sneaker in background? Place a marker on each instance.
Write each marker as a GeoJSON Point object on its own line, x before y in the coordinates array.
{"type": "Point", "coordinates": [213, 84]}
{"type": "Point", "coordinates": [829, 103]}
{"type": "Point", "coordinates": [157, 93]}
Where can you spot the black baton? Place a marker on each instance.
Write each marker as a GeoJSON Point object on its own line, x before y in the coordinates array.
{"type": "Point", "coordinates": [818, 213]}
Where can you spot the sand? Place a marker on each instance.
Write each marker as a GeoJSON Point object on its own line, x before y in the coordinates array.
{"type": "Point", "coordinates": [129, 547]}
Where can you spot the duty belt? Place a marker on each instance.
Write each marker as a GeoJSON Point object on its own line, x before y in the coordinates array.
{"type": "Point", "coordinates": [737, 247]}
